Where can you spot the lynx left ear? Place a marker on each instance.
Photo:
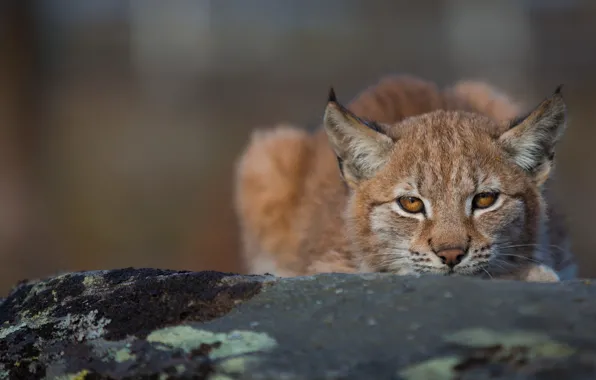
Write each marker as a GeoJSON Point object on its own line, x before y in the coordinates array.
{"type": "Point", "coordinates": [531, 140]}
{"type": "Point", "coordinates": [361, 147]}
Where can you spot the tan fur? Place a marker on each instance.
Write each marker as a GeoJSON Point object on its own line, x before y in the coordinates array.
{"type": "Point", "coordinates": [298, 215]}
{"type": "Point", "coordinates": [534, 273]}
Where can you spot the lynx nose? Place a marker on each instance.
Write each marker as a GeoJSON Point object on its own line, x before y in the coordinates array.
{"type": "Point", "coordinates": [451, 256]}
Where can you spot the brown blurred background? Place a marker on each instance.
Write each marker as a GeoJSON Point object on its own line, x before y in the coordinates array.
{"type": "Point", "coordinates": [120, 121]}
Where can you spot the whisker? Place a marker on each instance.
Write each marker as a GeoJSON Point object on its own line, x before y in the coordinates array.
{"type": "Point", "coordinates": [544, 251]}
{"type": "Point", "coordinates": [519, 256]}
{"type": "Point", "coordinates": [400, 255]}
{"type": "Point", "coordinates": [487, 272]}
{"type": "Point", "coordinates": [497, 263]}
{"type": "Point", "coordinates": [391, 252]}
{"type": "Point", "coordinates": [508, 263]}
{"type": "Point", "coordinates": [388, 263]}
{"type": "Point", "coordinates": [392, 261]}
{"type": "Point", "coordinates": [531, 245]}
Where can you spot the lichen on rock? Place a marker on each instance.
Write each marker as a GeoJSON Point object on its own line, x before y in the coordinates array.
{"type": "Point", "coordinates": [81, 327]}
{"type": "Point", "coordinates": [217, 345]}
{"type": "Point", "coordinates": [483, 347]}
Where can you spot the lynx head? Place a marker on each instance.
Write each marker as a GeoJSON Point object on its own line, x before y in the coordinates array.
{"type": "Point", "coordinates": [447, 192]}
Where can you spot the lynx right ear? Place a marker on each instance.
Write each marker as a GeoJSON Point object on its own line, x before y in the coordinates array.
{"type": "Point", "coordinates": [531, 141]}
{"type": "Point", "coordinates": [361, 147]}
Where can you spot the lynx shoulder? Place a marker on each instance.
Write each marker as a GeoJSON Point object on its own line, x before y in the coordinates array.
{"type": "Point", "coordinates": [408, 178]}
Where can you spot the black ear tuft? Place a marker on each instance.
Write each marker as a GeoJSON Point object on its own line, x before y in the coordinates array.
{"type": "Point", "coordinates": [332, 98]}
{"type": "Point", "coordinates": [559, 88]}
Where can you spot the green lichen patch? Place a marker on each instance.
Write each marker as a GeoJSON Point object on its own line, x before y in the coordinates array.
{"type": "Point", "coordinates": [123, 355]}
{"type": "Point", "coordinates": [82, 327]}
{"type": "Point", "coordinates": [113, 351]}
{"type": "Point", "coordinates": [6, 331]}
{"type": "Point", "coordinates": [81, 375]}
{"type": "Point", "coordinates": [236, 365]}
{"type": "Point", "coordinates": [219, 376]}
{"type": "Point", "coordinates": [40, 318]}
{"type": "Point", "coordinates": [512, 350]}
{"type": "Point", "coordinates": [433, 369]}
{"type": "Point", "coordinates": [216, 345]}
{"type": "Point", "coordinates": [42, 297]}
{"type": "Point", "coordinates": [535, 345]}
{"type": "Point", "coordinates": [93, 281]}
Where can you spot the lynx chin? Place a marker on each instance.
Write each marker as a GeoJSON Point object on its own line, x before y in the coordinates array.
{"type": "Point", "coordinates": [409, 179]}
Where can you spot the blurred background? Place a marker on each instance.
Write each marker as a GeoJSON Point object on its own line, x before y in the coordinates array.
{"type": "Point", "coordinates": [120, 121]}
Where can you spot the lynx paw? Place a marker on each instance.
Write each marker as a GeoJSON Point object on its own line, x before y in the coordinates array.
{"type": "Point", "coordinates": [540, 273]}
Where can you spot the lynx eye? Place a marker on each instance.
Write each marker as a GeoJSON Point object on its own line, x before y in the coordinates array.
{"type": "Point", "coordinates": [484, 200]}
{"type": "Point", "coordinates": [412, 205]}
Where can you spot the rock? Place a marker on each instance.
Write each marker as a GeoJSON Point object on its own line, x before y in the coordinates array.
{"type": "Point", "coordinates": [158, 324]}
{"type": "Point", "coordinates": [99, 322]}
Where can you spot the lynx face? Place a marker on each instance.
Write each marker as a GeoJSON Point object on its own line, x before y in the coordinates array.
{"type": "Point", "coordinates": [446, 192]}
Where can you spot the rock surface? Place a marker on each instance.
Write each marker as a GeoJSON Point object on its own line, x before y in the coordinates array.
{"type": "Point", "coordinates": [158, 324]}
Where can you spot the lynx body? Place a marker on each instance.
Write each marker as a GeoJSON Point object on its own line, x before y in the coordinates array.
{"type": "Point", "coordinates": [409, 179]}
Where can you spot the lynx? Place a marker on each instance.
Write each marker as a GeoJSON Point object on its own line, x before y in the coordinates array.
{"type": "Point", "coordinates": [409, 179]}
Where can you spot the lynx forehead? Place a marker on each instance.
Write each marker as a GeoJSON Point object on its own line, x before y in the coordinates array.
{"type": "Point", "coordinates": [408, 179]}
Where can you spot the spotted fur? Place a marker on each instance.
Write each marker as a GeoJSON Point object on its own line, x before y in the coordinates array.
{"type": "Point", "coordinates": [326, 202]}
